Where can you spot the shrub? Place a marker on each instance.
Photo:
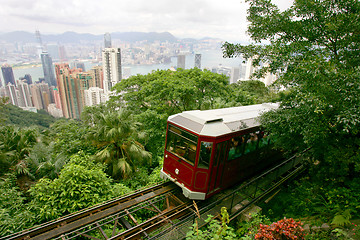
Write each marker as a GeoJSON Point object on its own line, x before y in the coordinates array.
{"type": "Point", "coordinates": [284, 229]}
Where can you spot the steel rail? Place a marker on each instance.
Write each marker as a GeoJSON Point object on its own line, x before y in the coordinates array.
{"type": "Point", "coordinates": [79, 219]}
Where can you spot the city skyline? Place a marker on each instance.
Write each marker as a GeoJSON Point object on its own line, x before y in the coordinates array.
{"type": "Point", "coordinates": [185, 19]}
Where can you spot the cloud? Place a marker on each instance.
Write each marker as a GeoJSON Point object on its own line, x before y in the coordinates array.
{"type": "Point", "coordinates": [185, 18]}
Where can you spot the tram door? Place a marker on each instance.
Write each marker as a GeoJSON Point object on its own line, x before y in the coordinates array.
{"type": "Point", "coordinates": [217, 167]}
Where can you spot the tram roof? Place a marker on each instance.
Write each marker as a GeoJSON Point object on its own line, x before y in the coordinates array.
{"type": "Point", "coordinates": [218, 122]}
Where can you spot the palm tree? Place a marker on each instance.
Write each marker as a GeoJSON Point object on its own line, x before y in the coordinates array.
{"type": "Point", "coordinates": [45, 162]}
{"type": "Point", "coordinates": [16, 145]}
{"type": "Point", "coordinates": [117, 137]}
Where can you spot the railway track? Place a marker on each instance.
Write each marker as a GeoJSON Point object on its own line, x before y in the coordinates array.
{"type": "Point", "coordinates": [169, 215]}
{"type": "Point", "coordinates": [93, 223]}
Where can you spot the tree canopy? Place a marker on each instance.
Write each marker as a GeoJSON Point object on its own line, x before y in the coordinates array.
{"type": "Point", "coordinates": [314, 48]}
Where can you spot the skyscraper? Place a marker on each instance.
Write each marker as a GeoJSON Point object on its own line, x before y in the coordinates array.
{"type": "Point", "coordinates": [97, 77]}
{"type": "Point", "coordinates": [181, 61]}
{"type": "Point", "coordinates": [107, 40]}
{"type": "Point", "coordinates": [28, 79]}
{"type": "Point", "coordinates": [111, 67]}
{"type": "Point", "coordinates": [8, 74]}
{"type": "Point", "coordinates": [93, 96]}
{"type": "Point", "coordinates": [24, 94]}
{"type": "Point", "coordinates": [48, 69]}
{"type": "Point", "coordinates": [198, 61]}
{"type": "Point", "coordinates": [62, 53]}
{"type": "Point", "coordinates": [80, 65]}
{"type": "Point", "coordinates": [70, 85]}
{"type": "Point", "coordinates": [12, 93]}
{"type": "Point", "coordinates": [234, 75]}
{"type": "Point", "coordinates": [40, 93]}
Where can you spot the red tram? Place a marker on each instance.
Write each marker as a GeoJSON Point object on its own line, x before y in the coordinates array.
{"type": "Point", "coordinates": [207, 151]}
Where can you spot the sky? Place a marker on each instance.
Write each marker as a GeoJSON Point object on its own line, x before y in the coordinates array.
{"type": "Point", "coordinates": [224, 19]}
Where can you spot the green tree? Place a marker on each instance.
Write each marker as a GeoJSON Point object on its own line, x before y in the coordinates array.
{"type": "Point", "coordinates": [14, 115]}
{"type": "Point", "coordinates": [171, 92]}
{"type": "Point", "coordinates": [82, 183]}
{"type": "Point", "coordinates": [314, 47]}
{"type": "Point", "coordinates": [69, 137]}
{"type": "Point", "coordinates": [16, 144]}
{"type": "Point", "coordinates": [44, 162]}
{"type": "Point", "coordinates": [156, 96]}
{"type": "Point", "coordinates": [117, 137]}
{"type": "Point", "coordinates": [14, 214]}
{"type": "Point", "coordinates": [3, 102]}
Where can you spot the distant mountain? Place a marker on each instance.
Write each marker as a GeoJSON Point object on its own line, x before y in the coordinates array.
{"type": "Point", "coordinates": [18, 36]}
{"type": "Point", "coordinates": [73, 37]}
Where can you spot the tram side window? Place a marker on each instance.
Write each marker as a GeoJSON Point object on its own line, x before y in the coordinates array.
{"type": "Point", "coordinates": [182, 144]}
{"type": "Point", "coordinates": [251, 142]}
{"type": "Point", "coordinates": [264, 139]}
{"type": "Point", "coordinates": [205, 154]}
{"type": "Point", "coordinates": [236, 148]}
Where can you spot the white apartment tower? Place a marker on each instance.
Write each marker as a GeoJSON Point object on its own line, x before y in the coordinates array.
{"type": "Point", "coordinates": [94, 96]}
{"type": "Point", "coordinates": [111, 58]}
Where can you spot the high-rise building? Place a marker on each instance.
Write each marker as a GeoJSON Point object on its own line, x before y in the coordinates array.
{"type": "Point", "coordinates": [57, 98]}
{"type": "Point", "coordinates": [94, 96]}
{"type": "Point", "coordinates": [80, 65]}
{"type": "Point", "coordinates": [36, 96]}
{"type": "Point", "coordinates": [48, 69]}
{"type": "Point", "coordinates": [198, 61]}
{"type": "Point", "coordinates": [40, 93]}
{"type": "Point", "coordinates": [249, 69]}
{"type": "Point", "coordinates": [181, 61]}
{"type": "Point", "coordinates": [54, 111]}
{"type": "Point", "coordinates": [97, 77]}
{"type": "Point", "coordinates": [8, 74]}
{"type": "Point", "coordinates": [24, 94]}
{"type": "Point", "coordinates": [62, 53]}
{"type": "Point", "coordinates": [70, 84]}
{"type": "Point", "coordinates": [11, 93]}
{"type": "Point", "coordinates": [111, 58]}
{"type": "Point", "coordinates": [107, 40]}
{"type": "Point", "coordinates": [28, 78]}
{"type": "Point", "coordinates": [234, 75]}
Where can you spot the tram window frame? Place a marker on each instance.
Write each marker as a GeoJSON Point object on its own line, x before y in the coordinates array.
{"type": "Point", "coordinates": [182, 144]}
{"type": "Point", "coordinates": [205, 154]}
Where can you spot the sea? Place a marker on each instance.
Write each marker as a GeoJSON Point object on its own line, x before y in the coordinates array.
{"type": "Point", "coordinates": [209, 59]}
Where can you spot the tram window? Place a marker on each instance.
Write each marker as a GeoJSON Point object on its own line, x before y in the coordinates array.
{"type": "Point", "coordinates": [251, 143]}
{"type": "Point", "coordinates": [181, 143]}
{"type": "Point", "coordinates": [236, 147]}
{"type": "Point", "coordinates": [205, 154]}
{"type": "Point", "coordinates": [264, 139]}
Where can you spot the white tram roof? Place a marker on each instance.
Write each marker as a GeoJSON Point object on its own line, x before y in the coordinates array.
{"type": "Point", "coordinates": [218, 122]}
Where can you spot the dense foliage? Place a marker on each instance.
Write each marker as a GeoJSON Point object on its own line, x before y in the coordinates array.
{"type": "Point", "coordinates": [117, 137]}
{"type": "Point", "coordinates": [19, 117]}
{"type": "Point", "coordinates": [314, 49]}
{"type": "Point", "coordinates": [82, 183]}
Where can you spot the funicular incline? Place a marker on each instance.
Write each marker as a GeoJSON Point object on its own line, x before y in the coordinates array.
{"type": "Point", "coordinates": [170, 214]}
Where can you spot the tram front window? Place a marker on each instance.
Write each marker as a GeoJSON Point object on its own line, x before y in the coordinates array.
{"type": "Point", "coordinates": [182, 144]}
{"type": "Point", "coordinates": [205, 154]}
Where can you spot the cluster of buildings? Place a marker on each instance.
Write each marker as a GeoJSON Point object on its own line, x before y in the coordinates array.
{"type": "Point", "coordinates": [65, 90]}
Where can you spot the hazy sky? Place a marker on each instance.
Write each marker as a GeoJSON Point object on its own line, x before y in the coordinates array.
{"type": "Point", "coordinates": [225, 19]}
